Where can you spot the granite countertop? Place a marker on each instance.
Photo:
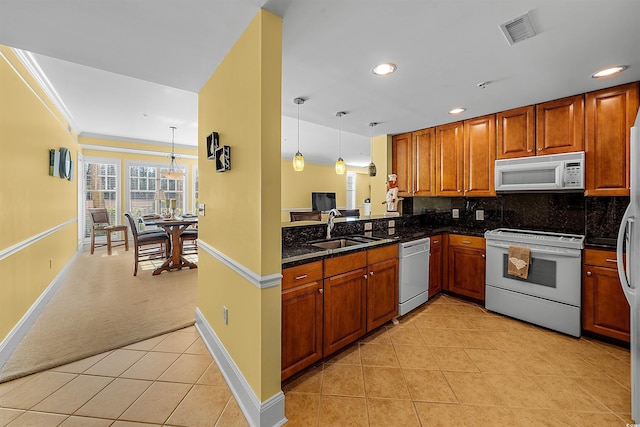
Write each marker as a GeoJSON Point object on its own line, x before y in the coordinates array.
{"type": "Point", "coordinates": [603, 243]}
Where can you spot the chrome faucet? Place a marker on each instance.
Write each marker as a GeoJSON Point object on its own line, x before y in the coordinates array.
{"type": "Point", "coordinates": [332, 214]}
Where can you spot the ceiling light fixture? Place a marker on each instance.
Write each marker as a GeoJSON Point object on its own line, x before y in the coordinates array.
{"type": "Point", "coordinates": [174, 171]}
{"type": "Point", "coordinates": [372, 166]}
{"type": "Point", "coordinates": [384, 69]}
{"type": "Point", "coordinates": [340, 166]}
{"type": "Point", "coordinates": [609, 71]}
{"type": "Point", "coordinates": [457, 110]}
{"type": "Point", "coordinates": [298, 159]}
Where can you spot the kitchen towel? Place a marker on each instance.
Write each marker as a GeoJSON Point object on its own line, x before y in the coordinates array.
{"type": "Point", "coordinates": [519, 260]}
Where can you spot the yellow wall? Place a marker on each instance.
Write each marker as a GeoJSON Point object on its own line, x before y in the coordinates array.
{"type": "Point", "coordinates": [242, 102]}
{"type": "Point", "coordinates": [31, 201]}
{"type": "Point", "coordinates": [381, 155]}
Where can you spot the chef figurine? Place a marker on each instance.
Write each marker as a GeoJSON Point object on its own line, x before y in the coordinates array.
{"type": "Point", "coordinates": [392, 194]}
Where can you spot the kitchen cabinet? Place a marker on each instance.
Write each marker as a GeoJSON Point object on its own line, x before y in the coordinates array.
{"type": "Point", "coordinates": [479, 151]}
{"type": "Point", "coordinates": [413, 161]}
{"type": "Point", "coordinates": [609, 114]}
{"type": "Point", "coordinates": [605, 310]}
{"type": "Point", "coordinates": [302, 314]}
{"type": "Point", "coordinates": [382, 285]}
{"type": "Point", "coordinates": [435, 265]}
{"type": "Point", "coordinates": [345, 300]}
{"type": "Point", "coordinates": [466, 266]}
{"type": "Point", "coordinates": [516, 133]}
{"type": "Point", "coordinates": [560, 126]}
{"type": "Point", "coordinates": [449, 159]}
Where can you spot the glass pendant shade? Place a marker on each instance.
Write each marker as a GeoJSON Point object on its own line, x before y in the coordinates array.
{"type": "Point", "coordinates": [372, 166]}
{"type": "Point", "coordinates": [298, 162]}
{"type": "Point", "coordinates": [174, 172]}
{"type": "Point", "coordinates": [340, 166]}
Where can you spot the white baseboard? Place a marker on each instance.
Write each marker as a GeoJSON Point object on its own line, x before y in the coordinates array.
{"type": "Point", "coordinates": [11, 342]}
{"type": "Point", "coordinates": [268, 413]}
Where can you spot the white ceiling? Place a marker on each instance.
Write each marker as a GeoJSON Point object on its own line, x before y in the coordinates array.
{"type": "Point", "coordinates": [132, 68]}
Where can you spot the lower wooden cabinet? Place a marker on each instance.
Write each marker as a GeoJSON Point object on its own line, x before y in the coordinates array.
{"type": "Point", "coordinates": [466, 266]}
{"type": "Point", "coordinates": [435, 265]}
{"type": "Point", "coordinates": [605, 310]}
{"type": "Point", "coordinates": [382, 286]}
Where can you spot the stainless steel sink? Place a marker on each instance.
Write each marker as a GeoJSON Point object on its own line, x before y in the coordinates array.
{"type": "Point", "coordinates": [336, 243]}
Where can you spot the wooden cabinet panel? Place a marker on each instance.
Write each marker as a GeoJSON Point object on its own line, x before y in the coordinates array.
{"type": "Point", "coordinates": [449, 159]}
{"type": "Point", "coordinates": [605, 309]}
{"type": "Point", "coordinates": [435, 265]}
{"type": "Point", "coordinates": [479, 156]}
{"type": "Point", "coordinates": [516, 133]}
{"type": "Point", "coordinates": [301, 274]}
{"type": "Point", "coordinates": [345, 305]}
{"type": "Point", "coordinates": [382, 254]}
{"type": "Point", "coordinates": [424, 162]}
{"type": "Point", "coordinates": [301, 327]}
{"type": "Point", "coordinates": [466, 266]}
{"type": "Point", "coordinates": [382, 293]}
{"type": "Point", "coordinates": [401, 163]}
{"type": "Point", "coordinates": [344, 263]}
{"type": "Point", "coordinates": [560, 126]}
{"type": "Point", "coordinates": [609, 114]}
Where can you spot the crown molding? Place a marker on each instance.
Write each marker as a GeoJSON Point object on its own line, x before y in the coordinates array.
{"type": "Point", "coordinates": [134, 151]}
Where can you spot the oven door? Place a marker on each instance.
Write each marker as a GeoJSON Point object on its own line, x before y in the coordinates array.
{"type": "Point", "coordinates": [554, 273]}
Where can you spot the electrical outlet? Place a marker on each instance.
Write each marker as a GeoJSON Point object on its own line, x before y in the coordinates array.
{"type": "Point", "coordinates": [392, 224]}
{"type": "Point", "coordinates": [480, 215]}
{"type": "Point", "coordinates": [225, 315]}
{"type": "Point", "coordinates": [368, 226]}
{"type": "Point", "coordinates": [392, 231]}
{"type": "Point", "coordinates": [455, 213]}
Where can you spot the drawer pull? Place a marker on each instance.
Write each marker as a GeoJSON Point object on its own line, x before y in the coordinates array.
{"type": "Point", "coordinates": [436, 241]}
{"type": "Point", "coordinates": [365, 277]}
{"type": "Point", "coordinates": [466, 242]}
{"type": "Point", "coordinates": [371, 273]}
{"type": "Point", "coordinates": [321, 291]}
{"type": "Point", "coordinates": [611, 260]}
{"type": "Point", "coordinates": [589, 273]}
{"type": "Point", "coordinates": [484, 256]}
{"type": "Point", "coordinates": [304, 276]}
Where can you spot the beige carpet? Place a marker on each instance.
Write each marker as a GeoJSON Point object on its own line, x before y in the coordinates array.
{"type": "Point", "coordinates": [101, 306]}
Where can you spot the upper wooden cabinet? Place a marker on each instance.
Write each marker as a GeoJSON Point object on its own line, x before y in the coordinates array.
{"type": "Point", "coordinates": [479, 156]}
{"type": "Point", "coordinates": [560, 126]}
{"type": "Point", "coordinates": [609, 114]}
{"type": "Point", "coordinates": [516, 133]}
{"type": "Point", "coordinates": [449, 159]}
{"type": "Point", "coordinates": [413, 161]}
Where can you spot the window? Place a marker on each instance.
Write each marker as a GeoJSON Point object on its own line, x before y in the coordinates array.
{"type": "Point", "coordinates": [101, 189]}
{"type": "Point", "coordinates": [149, 191]}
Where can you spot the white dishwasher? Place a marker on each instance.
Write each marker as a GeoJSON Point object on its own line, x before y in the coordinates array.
{"type": "Point", "coordinates": [414, 274]}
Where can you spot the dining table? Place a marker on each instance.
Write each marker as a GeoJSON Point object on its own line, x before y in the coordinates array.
{"type": "Point", "coordinates": [174, 226]}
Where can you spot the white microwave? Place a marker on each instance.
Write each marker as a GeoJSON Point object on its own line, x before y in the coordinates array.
{"type": "Point", "coordinates": [554, 172]}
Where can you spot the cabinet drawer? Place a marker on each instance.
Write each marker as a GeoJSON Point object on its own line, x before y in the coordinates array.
{"type": "Point", "coordinates": [600, 258]}
{"type": "Point", "coordinates": [301, 274]}
{"type": "Point", "coordinates": [342, 264]}
{"type": "Point", "coordinates": [468, 241]}
{"type": "Point", "coordinates": [382, 254]}
{"type": "Point", "coordinates": [435, 241]}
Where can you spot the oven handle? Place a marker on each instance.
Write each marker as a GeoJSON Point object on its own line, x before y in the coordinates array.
{"type": "Point", "coordinates": [572, 254]}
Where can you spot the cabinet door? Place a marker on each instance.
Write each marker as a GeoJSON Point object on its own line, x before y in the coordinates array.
{"type": "Point", "coordinates": [560, 126]}
{"type": "Point", "coordinates": [449, 159]}
{"type": "Point", "coordinates": [401, 163]}
{"type": "Point", "coordinates": [609, 115]}
{"type": "Point", "coordinates": [467, 271]}
{"type": "Point", "coordinates": [424, 162]}
{"type": "Point", "coordinates": [301, 327]}
{"type": "Point", "coordinates": [382, 293]}
{"type": "Point", "coordinates": [435, 266]}
{"type": "Point", "coordinates": [516, 133]}
{"type": "Point", "coordinates": [345, 309]}
{"type": "Point", "coordinates": [479, 156]}
{"type": "Point", "coordinates": [605, 310]}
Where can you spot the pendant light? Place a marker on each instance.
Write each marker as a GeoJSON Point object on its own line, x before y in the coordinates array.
{"type": "Point", "coordinates": [340, 166]}
{"type": "Point", "coordinates": [298, 159]}
{"type": "Point", "coordinates": [372, 166]}
{"type": "Point", "coordinates": [174, 172]}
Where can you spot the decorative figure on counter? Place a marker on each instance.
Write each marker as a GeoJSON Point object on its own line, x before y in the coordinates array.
{"type": "Point", "coordinates": [392, 196]}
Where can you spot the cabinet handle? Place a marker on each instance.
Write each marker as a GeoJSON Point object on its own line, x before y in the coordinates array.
{"type": "Point", "coordinates": [466, 242]}
{"type": "Point", "coordinates": [611, 260]}
{"type": "Point", "coordinates": [304, 276]}
{"type": "Point", "coordinates": [436, 241]}
{"type": "Point", "coordinates": [459, 191]}
{"type": "Point", "coordinates": [529, 150]}
{"type": "Point", "coordinates": [589, 273]}
{"type": "Point", "coordinates": [484, 256]}
{"type": "Point", "coordinates": [539, 149]}
{"type": "Point", "coordinates": [321, 291]}
{"type": "Point", "coordinates": [365, 277]}
{"type": "Point", "coordinates": [371, 273]}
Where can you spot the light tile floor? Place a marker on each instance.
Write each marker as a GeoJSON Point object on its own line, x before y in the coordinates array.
{"type": "Point", "coordinates": [169, 380]}
{"type": "Point", "coordinates": [448, 363]}
{"type": "Point", "coordinates": [452, 363]}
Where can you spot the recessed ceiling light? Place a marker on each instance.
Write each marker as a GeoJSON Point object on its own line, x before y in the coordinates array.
{"type": "Point", "coordinates": [457, 110]}
{"type": "Point", "coordinates": [384, 69]}
{"type": "Point", "coordinates": [609, 71]}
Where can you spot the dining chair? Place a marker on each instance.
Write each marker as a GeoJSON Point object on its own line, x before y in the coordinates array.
{"type": "Point", "coordinates": [100, 224]}
{"type": "Point", "coordinates": [305, 216]}
{"type": "Point", "coordinates": [148, 244]}
{"type": "Point", "coordinates": [189, 241]}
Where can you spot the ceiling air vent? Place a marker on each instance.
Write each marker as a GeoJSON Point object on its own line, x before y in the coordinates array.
{"type": "Point", "coordinates": [518, 29]}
